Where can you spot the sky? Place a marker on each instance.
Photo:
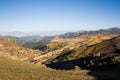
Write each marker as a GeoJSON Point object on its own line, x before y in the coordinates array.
{"type": "Point", "coordinates": [58, 15]}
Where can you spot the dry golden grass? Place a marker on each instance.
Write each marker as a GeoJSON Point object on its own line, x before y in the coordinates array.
{"type": "Point", "coordinates": [16, 70]}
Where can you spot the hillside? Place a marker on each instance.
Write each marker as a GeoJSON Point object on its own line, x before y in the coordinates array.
{"type": "Point", "coordinates": [29, 41]}
{"type": "Point", "coordinates": [33, 38]}
{"type": "Point", "coordinates": [18, 70]}
{"type": "Point", "coordinates": [102, 57]}
{"type": "Point", "coordinates": [40, 44]}
{"type": "Point", "coordinates": [9, 48]}
{"type": "Point", "coordinates": [105, 53]}
{"type": "Point", "coordinates": [59, 46]}
{"type": "Point", "coordinates": [17, 40]}
{"type": "Point", "coordinates": [67, 38]}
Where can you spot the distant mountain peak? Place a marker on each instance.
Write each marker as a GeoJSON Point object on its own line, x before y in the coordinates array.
{"type": "Point", "coordinates": [114, 28]}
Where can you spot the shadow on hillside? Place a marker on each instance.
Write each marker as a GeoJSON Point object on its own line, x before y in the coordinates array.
{"type": "Point", "coordinates": [100, 71]}
{"type": "Point", "coordinates": [110, 72]}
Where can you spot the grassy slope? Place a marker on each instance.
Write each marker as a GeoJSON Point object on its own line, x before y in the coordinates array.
{"type": "Point", "coordinates": [16, 70]}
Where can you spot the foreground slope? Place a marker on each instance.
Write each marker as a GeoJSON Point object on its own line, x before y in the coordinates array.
{"type": "Point", "coordinates": [17, 70]}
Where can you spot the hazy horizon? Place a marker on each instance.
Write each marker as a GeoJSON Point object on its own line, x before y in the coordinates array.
{"type": "Point", "coordinates": [42, 34]}
{"type": "Point", "coordinates": [60, 16]}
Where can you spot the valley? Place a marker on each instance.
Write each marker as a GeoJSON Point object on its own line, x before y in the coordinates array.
{"type": "Point", "coordinates": [87, 55]}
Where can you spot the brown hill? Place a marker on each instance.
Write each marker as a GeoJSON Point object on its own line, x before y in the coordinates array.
{"type": "Point", "coordinates": [59, 46]}
{"type": "Point", "coordinates": [100, 54]}
{"type": "Point", "coordinates": [9, 48]}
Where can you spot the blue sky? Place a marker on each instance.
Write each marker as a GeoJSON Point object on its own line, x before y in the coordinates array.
{"type": "Point", "coordinates": [58, 15]}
